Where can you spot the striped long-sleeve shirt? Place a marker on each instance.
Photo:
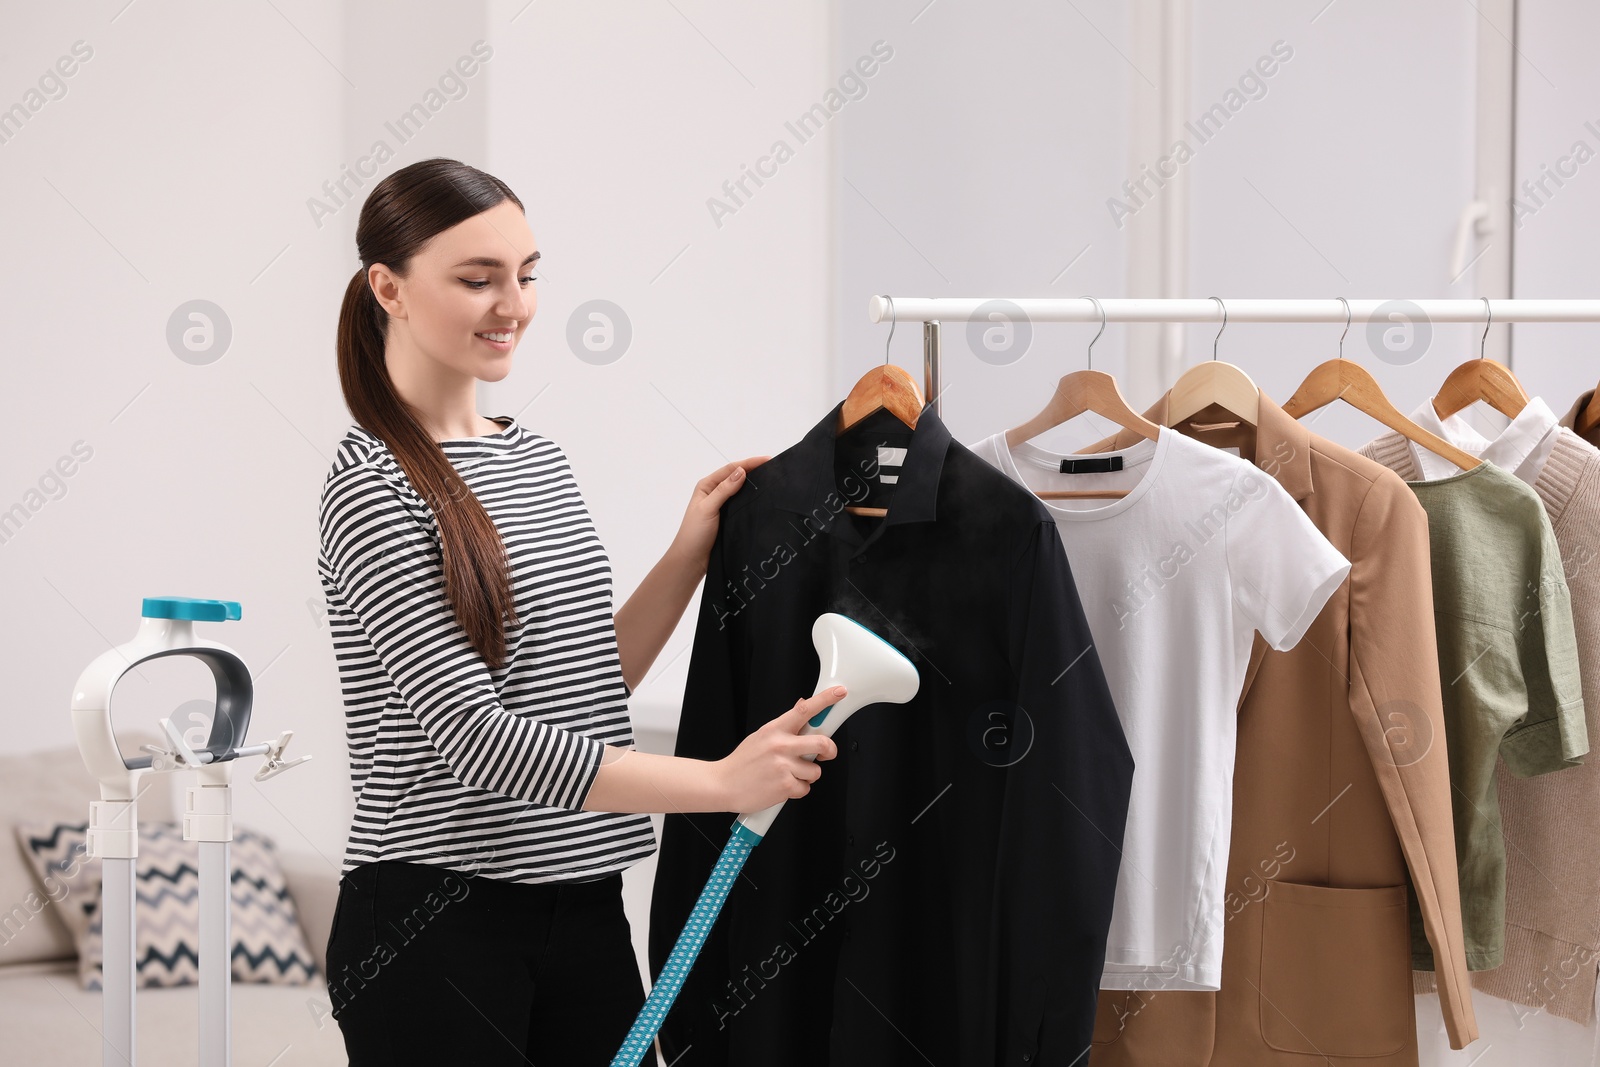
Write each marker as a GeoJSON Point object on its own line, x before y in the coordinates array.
{"type": "Point", "coordinates": [454, 764]}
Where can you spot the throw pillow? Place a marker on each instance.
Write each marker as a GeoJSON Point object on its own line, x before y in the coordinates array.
{"type": "Point", "coordinates": [267, 942]}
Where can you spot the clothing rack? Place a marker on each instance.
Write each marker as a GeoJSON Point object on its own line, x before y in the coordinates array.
{"type": "Point", "coordinates": [932, 311]}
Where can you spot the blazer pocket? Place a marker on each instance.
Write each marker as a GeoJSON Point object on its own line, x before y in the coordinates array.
{"type": "Point", "coordinates": [1336, 970]}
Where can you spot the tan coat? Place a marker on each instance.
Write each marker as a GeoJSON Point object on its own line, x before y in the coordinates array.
{"type": "Point", "coordinates": [1341, 787]}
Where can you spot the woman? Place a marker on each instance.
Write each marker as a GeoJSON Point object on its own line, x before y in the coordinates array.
{"type": "Point", "coordinates": [485, 681]}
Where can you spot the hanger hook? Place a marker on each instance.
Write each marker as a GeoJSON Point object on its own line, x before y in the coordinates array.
{"type": "Point", "coordinates": [1098, 332]}
{"type": "Point", "coordinates": [891, 330]}
{"type": "Point", "coordinates": [1488, 310]}
{"type": "Point", "coordinates": [1217, 338]}
{"type": "Point", "coordinates": [1346, 304]}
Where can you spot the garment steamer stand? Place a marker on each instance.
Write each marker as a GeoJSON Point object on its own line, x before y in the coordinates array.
{"type": "Point", "coordinates": [167, 629]}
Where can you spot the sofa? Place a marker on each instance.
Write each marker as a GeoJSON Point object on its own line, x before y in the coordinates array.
{"type": "Point", "coordinates": [46, 1017]}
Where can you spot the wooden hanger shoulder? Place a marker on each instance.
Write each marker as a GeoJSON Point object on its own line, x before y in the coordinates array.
{"type": "Point", "coordinates": [885, 387]}
{"type": "Point", "coordinates": [1480, 379]}
{"type": "Point", "coordinates": [1341, 379]}
{"type": "Point", "coordinates": [1214, 382]}
{"type": "Point", "coordinates": [1589, 417]}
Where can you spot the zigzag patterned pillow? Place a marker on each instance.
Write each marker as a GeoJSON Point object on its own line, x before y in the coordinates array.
{"type": "Point", "coordinates": [268, 944]}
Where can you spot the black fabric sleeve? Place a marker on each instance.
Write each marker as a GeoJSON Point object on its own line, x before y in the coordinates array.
{"type": "Point", "coordinates": [1065, 807]}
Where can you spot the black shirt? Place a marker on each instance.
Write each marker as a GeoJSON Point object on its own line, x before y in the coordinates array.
{"type": "Point", "coordinates": [943, 893]}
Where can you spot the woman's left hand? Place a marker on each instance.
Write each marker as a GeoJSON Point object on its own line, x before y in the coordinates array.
{"type": "Point", "coordinates": [699, 527]}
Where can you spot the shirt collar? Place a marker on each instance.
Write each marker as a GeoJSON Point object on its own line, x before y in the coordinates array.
{"type": "Point", "coordinates": [1283, 445]}
{"type": "Point", "coordinates": [915, 492]}
{"type": "Point", "coordinates": [1518, 443]}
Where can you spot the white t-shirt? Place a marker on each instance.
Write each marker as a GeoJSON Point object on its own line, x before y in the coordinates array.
{"type": "Point", "coordinates": [1175, 578]}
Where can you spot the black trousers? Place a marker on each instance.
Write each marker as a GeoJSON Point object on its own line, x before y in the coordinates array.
{"type": "Point", "coordinates": [428, 965]}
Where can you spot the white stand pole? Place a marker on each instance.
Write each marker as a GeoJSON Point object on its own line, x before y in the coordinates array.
{"type": "Point", "coordinates": [208, 819]}
{"type": "Point", "coordinates": [216, 972]}
{"type": "Point", "coordinates": [117, 1029]}
{"type": "Point", "coordinates": [115, 842]}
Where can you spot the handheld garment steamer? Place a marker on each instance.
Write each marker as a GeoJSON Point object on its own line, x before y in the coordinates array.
{"type": "Point", "coordinates": [167, 629]}
{"type": "Point", "coordinates": [873, 671]}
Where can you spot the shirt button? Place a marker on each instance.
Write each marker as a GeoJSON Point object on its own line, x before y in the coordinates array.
{"type": "Point", "coordinates": [855, 746]}
{"type": "Point", "coordinates": [850, 839]}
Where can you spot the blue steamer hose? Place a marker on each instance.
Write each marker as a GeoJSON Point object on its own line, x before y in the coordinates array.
{"type": "Point", "coordinates": [688, 946]}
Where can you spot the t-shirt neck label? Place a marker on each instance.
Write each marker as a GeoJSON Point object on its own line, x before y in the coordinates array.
{"type": "Point", "coordinates": [1095, 465]}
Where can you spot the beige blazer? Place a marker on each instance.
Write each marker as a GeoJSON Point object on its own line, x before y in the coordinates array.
{"type": "Point", "coordinates": [1341, 790]}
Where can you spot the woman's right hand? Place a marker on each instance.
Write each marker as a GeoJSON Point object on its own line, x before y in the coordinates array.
{"type": "Point", "coordinates": [770, 765]}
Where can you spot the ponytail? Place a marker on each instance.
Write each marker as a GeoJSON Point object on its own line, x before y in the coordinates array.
{"type": "Point", "coordinates": [402, 213]}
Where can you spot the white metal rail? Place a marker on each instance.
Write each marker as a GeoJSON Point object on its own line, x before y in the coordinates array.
{"type": "Point", "coordinates": [933, 311]}
{"type": "Point", "coordinates": [1205, 309]}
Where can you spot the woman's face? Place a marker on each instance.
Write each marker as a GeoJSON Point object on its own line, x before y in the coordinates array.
{"type": "Point", "coordinates": [472, 280]}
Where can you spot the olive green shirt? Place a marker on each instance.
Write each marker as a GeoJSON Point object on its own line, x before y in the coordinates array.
{"type": "Point", "coordinates": [1508, 665]}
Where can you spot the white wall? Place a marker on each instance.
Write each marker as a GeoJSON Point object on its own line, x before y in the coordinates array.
{"type": "Point", "coordinates": [1558, 106]}
{"type": "Point", "coordinates": [176, 167]}
{"type": "Point", "coordinates": [980, 166]}
{"type": "Point", "coordinates": [1345, 179]}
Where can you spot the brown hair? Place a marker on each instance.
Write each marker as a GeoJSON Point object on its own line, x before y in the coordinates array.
{"type": "Point", "coordinates": [403, 212]}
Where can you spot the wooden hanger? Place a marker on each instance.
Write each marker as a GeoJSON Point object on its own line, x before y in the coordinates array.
{"type": "Point", "coordinates": [1589, 418]}
{"type": "Point", "coordinates": [886, 388]}
{"type": "Point", "coordinates": [1076, 394]}
{"type": "Point", "coordinates": [1340, 379]}
{"type": "Point", "coordinates": [1214, 383]}
{"type": "Point", "coordinates": [1481, 379]}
